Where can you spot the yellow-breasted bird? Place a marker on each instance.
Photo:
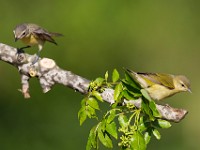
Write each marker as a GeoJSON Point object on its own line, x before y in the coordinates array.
{"type": "Point", "coordinates": [32, 34]}
{"type": "Point", "coordinates": [160, 85]}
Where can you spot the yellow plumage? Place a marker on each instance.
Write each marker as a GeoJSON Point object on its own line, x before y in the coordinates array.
{"type": "Point", "coordinates": [160, 86]}
{"type": "Point", "coordinates": [31, 40]}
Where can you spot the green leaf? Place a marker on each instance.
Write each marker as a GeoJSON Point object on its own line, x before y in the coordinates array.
{"type": "Point", "coordinates": [147, 136]}
{"type": "Point", "coordinates": [152, 106]}
{"type": "Point", "coordinates": [90, 112]}
{"type": "Point", "coordinates": [162, 124]}
{"type": "Point", "coordinates": [131, 81]}
{"type": "Point", "coordinates": [132, 90]}
{"type": "Point", "coordinates": [104, 138]}
{"type": "Point", "coordinates": [102, 125]}
{"type": "Point", "coordinates": [83, 102]}
{"type": "Point", "coordinates": [145, 94]}
{"type": "Point", "coordinates": [118, 90]}
{"type": "Point", "coordinates": [93, 103]}
{"type": "Point", "coordinates": [97, 95]}
{"type": "Point", "coordinates": [147, 110]}
{"type": "Point", "coordinates": [115, 75]}
{"type": "Point", "coordinates": [114, 105]}
{"type": "Point", "coordinates": [106, 76]}
{"type": "Point", "coordinates": [156, 133]}
{"type": "Point", "coordinates": [127, 95]}
{"type": "Point", "coordinates": [111, 116]}
{"type": "Point", "coordinates": [92, 139]}
{"type": "Point", "coordinates": [144, 126]}
{"type": "Point", "coordinates": [82, 115]}
{"type": "Point", "coordinates": [99, 81]}
{"type": "Point", "coordinates": [123, 120]}
{"type": "Point", "coordinates": [138, 141]}
{"type": "Point", "coordinates": [112, 129]}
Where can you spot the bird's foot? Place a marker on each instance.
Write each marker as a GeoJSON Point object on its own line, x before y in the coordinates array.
{"type": "Point", "coordinates": [20, 50]}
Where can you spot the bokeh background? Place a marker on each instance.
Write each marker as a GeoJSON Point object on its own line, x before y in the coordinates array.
{"type": "Point", "coordinates": [99, 35]}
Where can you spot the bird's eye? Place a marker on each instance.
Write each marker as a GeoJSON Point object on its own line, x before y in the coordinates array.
{"type": "Point", "coordinates": [23, 33]}
{"type": "Point", "coordinates": [182, 85]}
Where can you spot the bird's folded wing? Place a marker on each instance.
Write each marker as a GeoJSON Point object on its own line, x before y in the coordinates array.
{"type": "Point", "coordinates": [159, 78]}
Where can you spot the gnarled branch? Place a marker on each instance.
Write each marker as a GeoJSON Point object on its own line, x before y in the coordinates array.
{"type": "Point", "coordinates": [49, 74]}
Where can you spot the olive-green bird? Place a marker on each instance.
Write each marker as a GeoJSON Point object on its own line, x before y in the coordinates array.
{"type": "Point", "coordinates": [160, 85]}
{"type": "Point", "coordinates": [32, 34]}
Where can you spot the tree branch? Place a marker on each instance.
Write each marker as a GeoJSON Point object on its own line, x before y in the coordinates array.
{"type": "Point", "coordinates": [50, 74]}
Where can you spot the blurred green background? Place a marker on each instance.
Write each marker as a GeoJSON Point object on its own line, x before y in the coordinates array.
{"type": "Point", "coordinates": [99, 35]}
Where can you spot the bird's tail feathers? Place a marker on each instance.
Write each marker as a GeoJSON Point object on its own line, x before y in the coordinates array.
{"type": "Point", "coordinates": [129, 71]}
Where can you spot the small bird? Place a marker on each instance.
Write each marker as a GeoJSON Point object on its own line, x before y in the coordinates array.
{"type": "Point", "coordinates": [32, 34]}
{"type": "Point", "coordinates": [160, 85]}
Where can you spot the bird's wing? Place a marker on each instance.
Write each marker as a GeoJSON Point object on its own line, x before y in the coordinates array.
{"type": "Point", "coordinates": [159, 78]}
{"type": "Point", "coordinates": [44, 35]}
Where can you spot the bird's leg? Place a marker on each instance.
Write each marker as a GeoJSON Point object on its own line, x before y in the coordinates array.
{"type": "Point", "coordinates": [40, 46]}
{"type": "Point", "coordinates": [37, 57]}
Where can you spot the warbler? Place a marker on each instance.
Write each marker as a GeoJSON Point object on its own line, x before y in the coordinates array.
{"type": "Point", "coordinates": [32, 34]}
{"type": "Point", "coordinates": [160, 85]}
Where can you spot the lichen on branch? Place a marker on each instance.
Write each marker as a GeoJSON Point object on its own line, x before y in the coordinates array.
{"type": "Point", "coordinates": [49, 74]}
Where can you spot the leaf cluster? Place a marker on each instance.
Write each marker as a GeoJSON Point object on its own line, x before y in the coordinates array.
{"type": "Point", "coordinates": [132, 127]}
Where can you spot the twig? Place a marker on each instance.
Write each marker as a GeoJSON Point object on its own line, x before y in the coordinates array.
{"type": "Point", "coordinates": [49, 74]}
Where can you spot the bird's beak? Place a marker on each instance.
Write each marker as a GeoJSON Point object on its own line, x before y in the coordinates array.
{"type": "Point", "coordinates": [16, 39]}
{"type": "Point", "coordinates": [189, 90]}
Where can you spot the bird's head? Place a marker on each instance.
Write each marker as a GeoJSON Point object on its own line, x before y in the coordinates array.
{"type": "Point", "coordinates": [182, 83]}
{"type": "Point", "coordinates": [20, 31]}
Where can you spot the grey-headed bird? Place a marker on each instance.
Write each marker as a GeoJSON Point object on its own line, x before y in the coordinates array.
{"type": "Point", "coordinates": [32, 34]}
